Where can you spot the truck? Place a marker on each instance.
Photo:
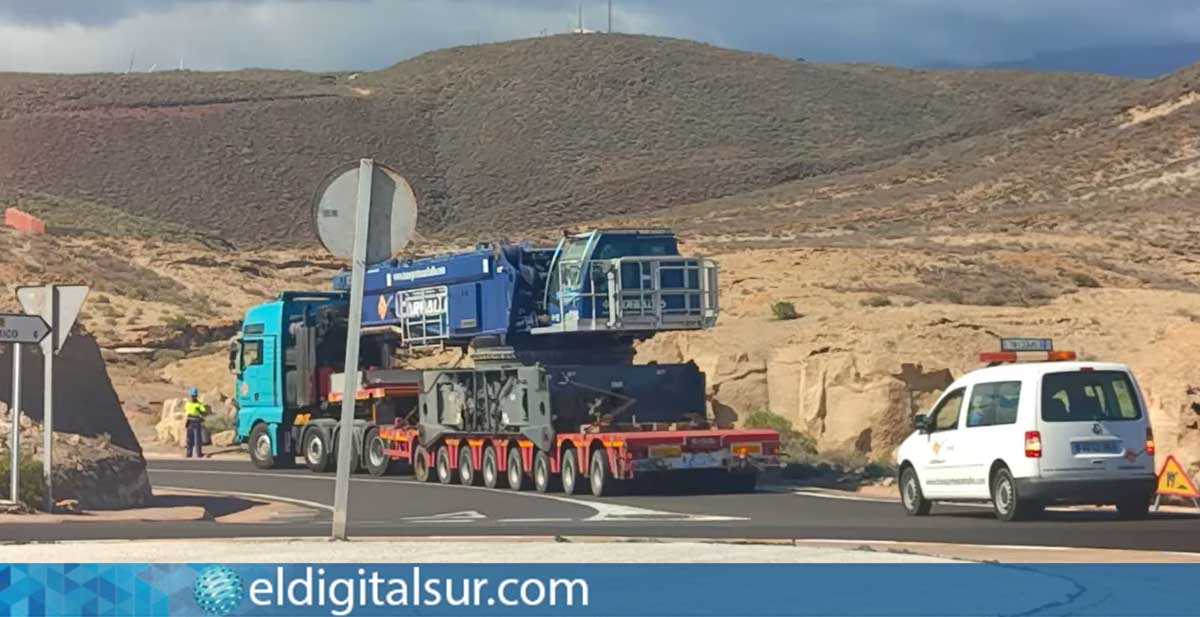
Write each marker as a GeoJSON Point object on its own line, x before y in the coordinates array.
{"type": "Point", "coordinates": [545, 393]}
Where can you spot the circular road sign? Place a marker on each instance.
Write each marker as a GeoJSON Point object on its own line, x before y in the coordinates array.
{"type": "Point", "coordinates": [393, 217]}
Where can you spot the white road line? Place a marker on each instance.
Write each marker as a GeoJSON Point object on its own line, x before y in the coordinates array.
{"type": "Point", "coordinates": [291, 500]}
{"type": "Point", "coordinates": [536, 520]}
{"type": "Point", "coordinates": [605, 512]}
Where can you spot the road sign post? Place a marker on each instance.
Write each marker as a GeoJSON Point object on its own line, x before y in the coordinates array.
{"type": "Point", "coordinates": [58, 306]}
{"type": "Point", "coordinates": [14, 438]}
{"type": "Point", "coordinates": [367, 213]}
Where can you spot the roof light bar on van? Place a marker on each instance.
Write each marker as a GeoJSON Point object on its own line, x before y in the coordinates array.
{"type": "Point", "coordinates": [1010, 347]}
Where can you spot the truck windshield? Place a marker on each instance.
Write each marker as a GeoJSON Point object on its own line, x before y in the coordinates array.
{"type": "Point", "coordinates": [1089, 397]}
{"type": "Point", "coordinates": [612, 247]}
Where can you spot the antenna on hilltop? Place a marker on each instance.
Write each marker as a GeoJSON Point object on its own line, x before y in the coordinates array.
{"type": "Point", "coordinates": [580, 16]}
{"type": "Point", "coordinates": [129, 70]}
{"type": "Point", "coordinates": [610, 16]}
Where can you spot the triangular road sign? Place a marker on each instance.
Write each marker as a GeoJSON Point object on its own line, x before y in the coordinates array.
{"type": "Point", "coordinates": [1173, 480]}
{"type": "Point", "coordinates": [70, 300]}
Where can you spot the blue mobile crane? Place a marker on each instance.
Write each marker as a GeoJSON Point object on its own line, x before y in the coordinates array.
{"type": "Point", "coordinates": [552, 398]}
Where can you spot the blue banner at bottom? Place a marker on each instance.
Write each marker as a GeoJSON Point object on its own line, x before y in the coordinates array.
{"type": "Point", "coordinates": [647, 590]}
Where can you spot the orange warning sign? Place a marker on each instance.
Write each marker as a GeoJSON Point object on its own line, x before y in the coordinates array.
{"type": "Point", "coordinates": [1173, 480]}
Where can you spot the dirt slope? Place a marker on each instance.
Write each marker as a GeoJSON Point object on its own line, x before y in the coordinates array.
{"type": "Point", "coordinates": [500, 138]}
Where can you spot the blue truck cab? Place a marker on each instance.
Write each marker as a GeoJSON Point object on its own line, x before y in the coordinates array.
{"type": "Point", "coordinates": [270, 358]}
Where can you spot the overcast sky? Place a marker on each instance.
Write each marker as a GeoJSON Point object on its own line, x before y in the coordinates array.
{"type": "Point", "coordinates": [101, 35]}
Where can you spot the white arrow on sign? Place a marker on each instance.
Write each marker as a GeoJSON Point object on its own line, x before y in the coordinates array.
{"type": "Point", "coordinates": [17, 328]}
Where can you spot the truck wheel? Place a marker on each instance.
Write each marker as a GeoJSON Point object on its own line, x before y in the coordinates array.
{"type": "Point", "coordinates": [466, 471]}
{"type": "Point", "coordinates": [421, 465]}
{"type": "Point", "coordinates": [444, 474]}
{"type": "Point", "coordinates": [516, 475]}
{"type": "Point", "coordinates": [318, 456]}
{"type": "Point", "coordinates": [603, 482]}
{"type": "Point", "coordinates": [911, 496]}
{"type": "Point", "coordinates": [570, 475]}
{"type": "Point", "coordinates": [543, 480]}
{"type": "Point", "coordinates": [376, 462]}
{"type": "Point", "coordinates": [1008, 504]}
{"type": "Point", "coordinates": [490, 470]}
{"type": "Point", "coordinates": [260, 447]}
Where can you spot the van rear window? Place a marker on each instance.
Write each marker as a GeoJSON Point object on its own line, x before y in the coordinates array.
{"type": "Point", "coordinates": [1089, 397]}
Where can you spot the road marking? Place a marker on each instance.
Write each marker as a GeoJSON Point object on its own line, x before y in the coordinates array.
{"type": "Point", "coordinates": [536, 520]}
{"type": "Point", "coordinates": [464, 516]}
{"type": "Point", "coordinates": [291, 500]}
{"type": "Point", "coordinates": [605, 512]}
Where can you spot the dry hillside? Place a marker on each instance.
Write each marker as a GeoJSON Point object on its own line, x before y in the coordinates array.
{"type": "Point", "coordinates": [506, 137]}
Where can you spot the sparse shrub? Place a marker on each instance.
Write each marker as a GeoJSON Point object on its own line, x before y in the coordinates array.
{"type": "Point", "coordinates": [216, 423]}
{"type": "Point", "coordinates": [784, 311]}
{"type": "Point", "coordinates": [32, 484]}
{"type": "Point", "coordinates": [877, 301]}
{"type": "Point", "coordinates": [1082, 279]}
{"type": "Point", "coordinates": [792, 442]}
{"type": "Point", "coordinates": [177, 322]}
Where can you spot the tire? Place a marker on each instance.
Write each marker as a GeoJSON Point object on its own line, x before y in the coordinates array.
{"type": "Point", "coordinates": [260, 447]}
{"type": "Point", "coordinates": [374, 459]}
{"type": "Point", "coordinates": [911, 496]}
{"type": "Point", "coordinates": [490, 469]}
{"type": "Point", "coordinates": [420, 465]}
{"type": "Point", "coordinates": [600, 475]}
{"type": "Point", "coordinates": [517, 479]}
{"type": "Point", "coordinates": [543, 480]}
{"type": "Point", "coordinates": [318, 456]}
{"type": "Point", "coordinates": [441, 464]}
{"type": "Point", "coordinates": [1007, 502]}
{"type": "Point", "coordinates": [466, 470]}
{"type": "Point", "coordinates": [1133, 509]}
{"type": "Point", "coordinates": [569, 473]}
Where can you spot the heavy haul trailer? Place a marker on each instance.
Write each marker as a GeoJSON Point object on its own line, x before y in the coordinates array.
{"type": "Point", "coordinates": [556, 325]}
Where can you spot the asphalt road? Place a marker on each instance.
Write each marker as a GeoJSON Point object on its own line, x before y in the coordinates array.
{"type": "Point", "coordinates": [399, 506]}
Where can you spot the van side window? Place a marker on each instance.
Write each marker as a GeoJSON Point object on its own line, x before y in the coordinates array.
{"type": "Point", "coordinates": [945, 417]}
{"type": "Point", "coordinates": [994, 403]}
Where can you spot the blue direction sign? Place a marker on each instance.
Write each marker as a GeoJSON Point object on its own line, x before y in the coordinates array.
{"type": "Point", "coordinates": [18, 328]}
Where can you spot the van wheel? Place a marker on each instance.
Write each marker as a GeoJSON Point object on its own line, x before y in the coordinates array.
{"type": "Point", "coordinates": [1009, 505]}
{"type": "Point", "coordinates": [1133, 509]}
{"type": "Point", "coordinates": [911, 496]}
{"type": "Point", "coordinates": [260, 447]}
{"type": "Point", "coordinates": [517, 480]}
{"type": "Point", "coordinates": [318, 456]}
{"type": "Point", "coordinates": [445, 475]}
{"type": "Point", "coordinates": [570, 475]}
{"type": "Point", "coordinates": [421, 465]}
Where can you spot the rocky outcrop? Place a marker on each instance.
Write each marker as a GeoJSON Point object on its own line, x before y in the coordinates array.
{"type": "Point", "coordinates": [91, 471]}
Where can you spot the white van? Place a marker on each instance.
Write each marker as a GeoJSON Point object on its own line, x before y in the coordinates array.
{"type": "Point", "coordinates": [1028, 435]}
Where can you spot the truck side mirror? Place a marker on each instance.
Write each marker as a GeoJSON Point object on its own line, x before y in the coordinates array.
{"type": "Point", "coordinates": [234, 348]}
{"type": "Point", "coordinates": [921, 422]}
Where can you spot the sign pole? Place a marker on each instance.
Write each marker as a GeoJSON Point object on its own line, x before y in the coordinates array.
{"type": "Point", "coordinates": [362, 217]}
{"type": "Point", "coordinates": [50, 314]}
{"type": "Point", "coordinates": [14, 438]}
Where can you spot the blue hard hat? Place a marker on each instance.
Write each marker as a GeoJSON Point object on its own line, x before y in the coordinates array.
{"type": "Point", "coordinates": [191, 392]}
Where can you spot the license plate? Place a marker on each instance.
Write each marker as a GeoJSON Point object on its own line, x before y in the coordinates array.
{"type": "Point", "coordinates": [665, 451]}
{"type": "Point", "coordinates": [1095, 447]}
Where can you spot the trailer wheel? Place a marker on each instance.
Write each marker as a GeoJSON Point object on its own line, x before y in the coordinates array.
{"type": "Point", "coordinates": [516, 475]}
{"type": "Point", "coordinates": [466, 471]}
{"type": "Point", "coordinates": [317, 453]}
{"type": "Point", "coordinates": [490, 471]}
{"type": "Point", "coordinates": [376, 462]}
{"type": "Point", "coordinates": [260, 447]}
{"type": "Point", "coordinates": [444, 474]}
{"type": "Point", "coordinates": [543, 480]}
{"type": "Point", "coordinates": [421, 465]}
{"type": "Point", "coordinates": [570, 473]}
{"type": "Point", "coordinates": [603, 482]}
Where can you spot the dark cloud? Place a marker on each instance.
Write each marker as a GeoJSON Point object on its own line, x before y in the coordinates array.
{"type": "Point", "coordinates": [340, 34]}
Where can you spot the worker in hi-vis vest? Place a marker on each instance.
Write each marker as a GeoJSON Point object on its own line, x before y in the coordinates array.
{"type": "Point", "coordinates": [193, 411]}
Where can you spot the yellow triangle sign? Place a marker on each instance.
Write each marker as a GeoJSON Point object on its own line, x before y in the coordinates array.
{"type": "Point", "coordinates": [1173, 480]}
